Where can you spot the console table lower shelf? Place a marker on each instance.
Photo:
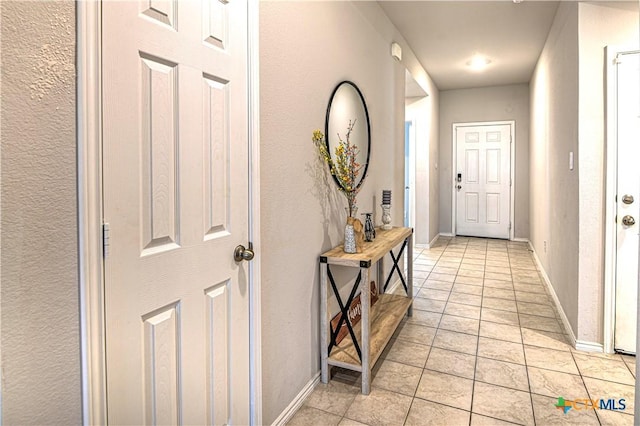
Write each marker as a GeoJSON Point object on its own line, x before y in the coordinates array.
{"type": "Point", "coordinates": [386, 314]}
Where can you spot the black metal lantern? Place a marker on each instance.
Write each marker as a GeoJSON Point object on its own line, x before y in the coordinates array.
{"type": "Point", "coordinates": [369, 229]}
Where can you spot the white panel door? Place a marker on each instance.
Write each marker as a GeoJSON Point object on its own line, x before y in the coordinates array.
{"type": "Point", "coordinates": [628, 201]}
{"type": "Point", "coordinates": [482, 181]}
{"type": "Point", "coordinates": [176, 200]}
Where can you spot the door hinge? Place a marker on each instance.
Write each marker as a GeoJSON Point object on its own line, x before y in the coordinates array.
{"type": "Point", "coordinates": [510, 182]}
{"type": "Point", "coordinates": [105, 240]}
{"type": "Point", "coordinates": [509, 226]}
{"type": "Point", "coordinates": [617, 60]}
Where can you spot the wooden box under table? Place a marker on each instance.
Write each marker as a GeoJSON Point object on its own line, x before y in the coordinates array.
{"type": "Point", "coordinates": [377, 323]}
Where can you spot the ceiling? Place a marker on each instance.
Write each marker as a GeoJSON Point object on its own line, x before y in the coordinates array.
{"type": "Point", "coordinates": [445, 35]}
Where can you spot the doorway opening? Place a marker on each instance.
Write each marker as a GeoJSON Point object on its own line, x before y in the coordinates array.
{"type": "Point", "coordinates": [416, 155]}
{"type": "Point", "coordinates": [409, 173]}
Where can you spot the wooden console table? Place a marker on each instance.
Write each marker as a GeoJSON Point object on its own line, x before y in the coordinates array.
{"type": "Point", "coordinates": [361, 349]}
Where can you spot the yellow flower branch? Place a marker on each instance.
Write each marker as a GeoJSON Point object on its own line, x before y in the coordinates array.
{"type": "Point", "coordinates": [345, 168]}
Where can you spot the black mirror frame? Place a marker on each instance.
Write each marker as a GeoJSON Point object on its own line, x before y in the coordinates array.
{"type": "Point", "coordinates": [326, 131]}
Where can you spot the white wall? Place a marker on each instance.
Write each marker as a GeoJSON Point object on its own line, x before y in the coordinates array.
{"type": "Point", "coordinates": [306, 48]}
{"type": "Point", "coordinates": [486, 104]}
{"type": "Point", "coordinates": [567, 115]}
{"type": "Point", "coordinates": [554, 133]}
{"type": "Point", "coordinates": [373, 13]}
{"type": "Point", "coordinates": [39, 294]}
{"type": "Point", "coordinates": [419, 112]}
{"type": "Point", "coordinates": [434, 173]}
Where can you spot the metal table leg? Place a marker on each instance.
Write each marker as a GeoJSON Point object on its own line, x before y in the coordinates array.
{"type": "Point", "coordinates": [410, 274]}
{"type": "Point", "coordinates": [324, 324]}
{"type": "Point", "coordinates": [365, 299]}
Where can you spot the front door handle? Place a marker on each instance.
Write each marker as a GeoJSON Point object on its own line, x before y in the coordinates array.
{"type": "Point", "coordinates": [459, 187]}
{"type": "Point", "coordinates": [628, 221]}
{"type": "Point", "coordinates": [240, 253]}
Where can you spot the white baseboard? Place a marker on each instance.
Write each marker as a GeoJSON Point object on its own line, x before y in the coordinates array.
{"type": "Point", "coordinates": [445, 234]}
{"type": "Point", "coordinates": [522, 240]}
{"type": "Point", "coordinates": [297, 402]}
{"type": "Point", "coordinates": [589, 346]}
{"type": "Point", "coordinates": [554, 296]}
{"type": "Point", "coordinates": [578, 344]}
{"type": "Point", "coordinates": [435, 240]}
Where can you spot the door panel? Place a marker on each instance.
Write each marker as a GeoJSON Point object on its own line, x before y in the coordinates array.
{"type": "Point", "coordinates": [493, 208]}
{"type": "Point", "coordinates": [493, 166]}
{"type": "Point", "coordinates": [472, 207]}
{"type": "Point", "coordinates": [176, 199]}
{"type": "Point", "coordinates": [157, 162]}
{"type": "Point", "coordinates": [472, 166]}
{"type": "Point", "coordinates": [628, 183]}
{"type": "Point", "coordinates": [217, 360]}
{"type": "Point", "coordinates": [483, 194]}
{"type": "Point", "coordinates": [216, 155]}
{"type": "Point", "coordinates": [161, 353]}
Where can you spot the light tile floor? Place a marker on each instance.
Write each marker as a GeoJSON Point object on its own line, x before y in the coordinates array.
{"type": "Point", "coordinates": [485, 346]}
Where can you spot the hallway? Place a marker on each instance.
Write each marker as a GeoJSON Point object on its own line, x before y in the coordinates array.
{"type": "Point", "coordinates": [485, 346]}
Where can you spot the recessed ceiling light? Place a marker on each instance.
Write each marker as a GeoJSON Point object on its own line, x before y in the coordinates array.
{"type": "Point", "coordinates": [518, 1]}
{"type": "Point", "coordinates": [478, 63]}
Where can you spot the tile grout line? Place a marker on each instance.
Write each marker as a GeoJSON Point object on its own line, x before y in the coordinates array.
{"type": "Point", "coordinates": [475, 366]}
{"type": "Point", "coordinates": [406, 417]}
{"type": "Point", "coordinates": [584, 384]}
{"type": "Point", "coordinates": [526, 365]}
{"type": "Point", "coordinates": [478, 348]}
{"type": "Point", "coordinates": [432, 346]}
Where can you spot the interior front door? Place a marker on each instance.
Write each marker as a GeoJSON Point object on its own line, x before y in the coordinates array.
{"type": "Point", "coordinates": [176, 203]}
{"type": "Point", "coordinates": [482, 182]}
{"type": "Point", "coordinates": [627, 201]}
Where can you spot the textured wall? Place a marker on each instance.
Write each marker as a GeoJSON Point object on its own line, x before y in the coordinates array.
{"type": "Point", "coordinates": [39, 293]}
{"type": "Point", "coordinates": [554, 133]}
{"type": "Point", "coordinates": [486, 104]}
{"type": "Point", "coordinates": [306, 48]}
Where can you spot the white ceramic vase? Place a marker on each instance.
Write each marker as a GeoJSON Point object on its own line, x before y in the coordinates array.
{"type": "Point", "coordinates": [349, 239]}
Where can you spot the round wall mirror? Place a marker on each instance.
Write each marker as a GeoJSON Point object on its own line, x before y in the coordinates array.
{"type": "Point", "coordinates": [346, 106]}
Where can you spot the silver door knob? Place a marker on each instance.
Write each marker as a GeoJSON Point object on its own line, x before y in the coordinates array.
{"type": "Point", "coordinates": [628, 221]}
{"type": "Point", "coordinates": [627, 199]}
{"type": "Point", "coordinates": [241, 253]}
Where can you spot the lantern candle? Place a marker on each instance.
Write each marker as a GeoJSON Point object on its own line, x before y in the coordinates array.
{"type": "Point", "coordinates": [386, 209]}
{"type": "Point", "coordinates": [386, 196]}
